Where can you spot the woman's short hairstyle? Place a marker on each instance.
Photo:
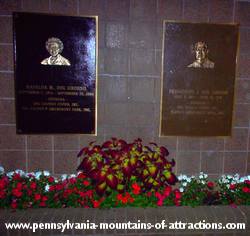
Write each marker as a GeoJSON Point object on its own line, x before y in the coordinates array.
{"type": "Point", "coordinates": [54, 40]}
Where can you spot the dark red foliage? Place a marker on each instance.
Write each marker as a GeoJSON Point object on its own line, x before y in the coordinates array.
{"type": "Point", "coordinates": [115, 162]}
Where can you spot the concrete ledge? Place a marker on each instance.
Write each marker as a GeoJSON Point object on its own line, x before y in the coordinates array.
{"type": "Point", "coordinates": [211, 214]}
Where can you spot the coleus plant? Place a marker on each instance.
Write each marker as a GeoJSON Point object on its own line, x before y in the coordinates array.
{"type": "Point", "coordinates": [116, 164]}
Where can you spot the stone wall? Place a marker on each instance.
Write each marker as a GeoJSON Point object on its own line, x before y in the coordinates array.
{"type": "Point", "coordinates": [129, 64]}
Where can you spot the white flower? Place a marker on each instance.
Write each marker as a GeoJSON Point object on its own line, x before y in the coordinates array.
{"type": "Point", "coordinates": [47, 188]}
{"type": "Point", "coordinates": [181, 190]}
{"type": "Point", "coordinates": [46, 173]}
{"type": "Point", "coordinates": [189, 180]}
{"type": "Point", "coordinates": [9, 174]}
{"type": "Point", "coordinates": [1, 170]}
{"type": "Point", "coordinates": [64, 176]}
{"type": "Point", "coordinates": [20, 172]}
{"type": "Point", "coordinates": [184, 184]}
{"type": "Point", "coordinates": [38, 174]}
{"type": "Point", "coordinates": [229, 177]}
{"type": "Point", "coordinates": [72, 176]}
{"type": "Point", "coordinates": [180, 177]}
{"type": "Point", "coordinates": [242, 179]}
{"type": "Point", "coordinates": [205, 175]}
{"type": "Point", "coordinates": [236, 176]}
{"type": "Point", "coordinates": [29, 174]}
{"type": "Point", "coordinates": [202, 175]}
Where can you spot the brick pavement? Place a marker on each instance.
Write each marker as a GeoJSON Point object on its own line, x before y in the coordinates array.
{"type": "Point", "coordinates": [212, 214]}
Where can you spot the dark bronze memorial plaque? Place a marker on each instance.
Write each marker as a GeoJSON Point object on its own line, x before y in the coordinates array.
{"type": "Point", "coordinates": [55, 73]}
{"type": "Point", "coordinates": [198, 76]}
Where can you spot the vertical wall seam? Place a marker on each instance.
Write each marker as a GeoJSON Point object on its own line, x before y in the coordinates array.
{"type": "Point", "coordinates": [200, 155]}
{"type": "Point", "coordinates": [49, 5]}
{"type": "Point", "coordinates": [22, 8]}
{"type": "Point", "coordinates": [177, 155]}
{"type": "Point", "coordinates": [234, 9]}
{"type": "Point", "coordinates": [79, 148]}
{"type": "Point", "coordinates": [223, 157]}
{"type": "Point", "coordinates": [183, 7]}
{"type": "Point", "coordinates": [53, 154]}
{"type": "Point", "coordinates": [78, 7]}
{"type": "Point", "coordinates": [248, 140]}
{"type": "Point", "coordinates": [26, 153]}
{"type": "Point", "coordinates": [209, 11]}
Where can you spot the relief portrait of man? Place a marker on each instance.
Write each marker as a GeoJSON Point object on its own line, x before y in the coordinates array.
{"type": "Point", "coordinates": [55, 46]}
{"type": "Point", "coordinates": [201, 57]}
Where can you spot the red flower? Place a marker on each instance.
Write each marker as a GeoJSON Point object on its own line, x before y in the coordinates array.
{"type": "Point", "coordinates": [51, 179]}
{"type": "Point", "coordinates": [177, 194]}
{"type": "Point", "coordinates": [82, 194]}
{"type": "Point", "coordinates": [33, 185]}
{"type": "Point", "coordinates": [210, 184]}
{"type": "Point", "coordinates": [149, 194]}
{"type": "Point", "coordinates": [16, 192]}
{"type": "Point", "coordinates": [86, 183]}
{"type": "Point", "coordinates": [97, 203]}
{"type": "Point", "coordinates": [44, 198]}
{"type": "Point", "coordinates": [2, 194]}
{"type": "Point", "coordinates": [124, 200]}
{"type": "Point", "coordinates": [52, 188]}
{"type": "Point", "coordinates": [59, 187]}
{"type": "Point", "coordinates": [42, 204]}
{"type": "Point", "coordinates": [2, 183]}
{"type": "Point", "coordinates": [136, 189]}
{"type": "Point", "coordinates": [167, 191]}
{"type": "Point", "coordinates": [89, 193]}
{"type": "Point", "coordinates": [232, 186]}
{"type": "Point", "coordinates": [19, 186]}
{"type": "Point", "coordinates": [37, 196]}
{"type": "Point", "coordinates": [119, 196]}
{"type": "Point", "coordinates": [13, 205]}
{"type": "Point", "coordinates": [247, 181]}
{"type": "Point", "coordinates": [246, 190]}
{"type": "Point", "coordinates": [160, 202]}
{"type": "Point", "coordinates": [72, 180]}
{"type": "Point", "coordinates": [157, 194]}
{"type": "Point", "coordinates": [131, 199]}
{"type": "Point", "coordinates": [16, 176]}
{"type": "Point", "coordinates": [81, 176]}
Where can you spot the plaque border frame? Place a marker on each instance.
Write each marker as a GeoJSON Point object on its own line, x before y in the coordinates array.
{"type": "Point", "coordinates": [235, 78]}
{"type": "Point", "coordinates": [96, 65]}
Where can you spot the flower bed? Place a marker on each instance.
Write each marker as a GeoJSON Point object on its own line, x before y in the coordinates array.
{"type": "Point", "coordinates": [33, 190]}
{"type": "Point", "coordinates": [119, 174]}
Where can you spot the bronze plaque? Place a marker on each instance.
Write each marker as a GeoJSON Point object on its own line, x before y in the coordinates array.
{"type": "Point", "coordinates": [198, 77]}
{"type": "Point", "coordinates": [55, 73]}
